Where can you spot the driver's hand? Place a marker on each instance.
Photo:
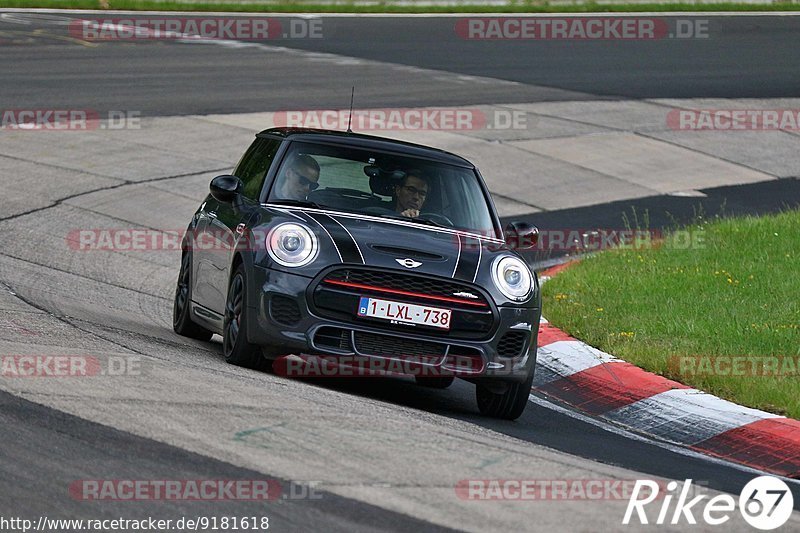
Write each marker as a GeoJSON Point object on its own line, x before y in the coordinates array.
{"type": "Point", "coordinates": [410, 213]}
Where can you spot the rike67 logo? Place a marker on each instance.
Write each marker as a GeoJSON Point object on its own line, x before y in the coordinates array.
{"type": "Point", "coordinates": [765, 503]}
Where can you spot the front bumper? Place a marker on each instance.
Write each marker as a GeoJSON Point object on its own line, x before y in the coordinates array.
{"type": "Point", "coordinates": [284, 319]}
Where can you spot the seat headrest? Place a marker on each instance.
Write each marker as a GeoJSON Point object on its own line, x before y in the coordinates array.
{"type": "Point", "coordinates": [382, 182]}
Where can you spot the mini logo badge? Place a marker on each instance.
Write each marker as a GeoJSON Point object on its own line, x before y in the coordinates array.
{"type": "Point", "coordinates": [408, 262]}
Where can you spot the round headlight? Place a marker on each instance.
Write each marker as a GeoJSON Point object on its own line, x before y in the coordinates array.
{"type": "Point", "coordinates": [292, 245]}
{"type": "Point", "coordinates": [512, 277]}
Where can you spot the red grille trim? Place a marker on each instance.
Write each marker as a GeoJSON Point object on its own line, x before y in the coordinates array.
{"type": "Point", "coordinates": [404, 293]}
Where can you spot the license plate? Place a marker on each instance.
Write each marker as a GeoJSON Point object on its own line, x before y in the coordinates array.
{"type": "Point", "coordinates": [405, 313]}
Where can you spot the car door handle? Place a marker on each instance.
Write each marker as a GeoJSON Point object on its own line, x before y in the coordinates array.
{"type": "Point", "coordinates": [211, 214]}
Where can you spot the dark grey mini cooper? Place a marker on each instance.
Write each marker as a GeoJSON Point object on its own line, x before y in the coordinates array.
{"type": "Point", "coordinates": [356, 248]}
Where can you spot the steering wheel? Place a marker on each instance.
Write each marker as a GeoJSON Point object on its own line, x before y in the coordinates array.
{"type": "Point", "coordinates": [438, 218]}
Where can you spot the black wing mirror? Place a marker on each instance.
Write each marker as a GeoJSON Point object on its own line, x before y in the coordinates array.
{"type": "Point", "coordinates": [225, 188]}
{"type": "Point", "coordinates": [521, 235]}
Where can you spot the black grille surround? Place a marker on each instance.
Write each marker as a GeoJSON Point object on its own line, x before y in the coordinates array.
{"type": "Point", "coordinates": [284, 310]}
{"type": "Point", "coordinates": [383, 346]}
{"type": "Point", "coordinates": [427, 285]}
{"type": "Point", "coordinates": [336, 292]}
{"type": "Point", "coordinates": [461, 360]}
{"type": "Point", "coordinates": [512, 343]}
{"type": "Point", "coordinates": [333, 338]}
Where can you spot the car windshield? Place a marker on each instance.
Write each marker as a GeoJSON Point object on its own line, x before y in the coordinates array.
{"type": "Point", "coordinates": [382, 184]}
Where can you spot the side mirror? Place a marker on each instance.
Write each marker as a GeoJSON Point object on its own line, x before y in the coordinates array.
{"type": "Point", "coordinates": [225, 188]}
{"type": "Point", "coordinates": [521, 235]}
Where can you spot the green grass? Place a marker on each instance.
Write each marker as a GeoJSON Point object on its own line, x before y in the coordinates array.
{"type": "Point", "coordinates": [736, 293]}
{"type": "Point", "coordinates": [386, 6]}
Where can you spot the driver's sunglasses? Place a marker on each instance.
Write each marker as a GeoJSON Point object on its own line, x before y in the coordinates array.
{"type": "Point", "coordinates": [306, 182]}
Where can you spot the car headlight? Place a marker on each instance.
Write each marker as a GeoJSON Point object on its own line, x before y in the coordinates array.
{"type": "Point", "coordinates": [292, 245]}
{"type": "Point", "coordinates": [512, 277]}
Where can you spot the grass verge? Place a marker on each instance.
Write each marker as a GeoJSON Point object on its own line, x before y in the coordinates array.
{"type": "Point", "coordinates": [686, 311]}
{"type": "Point", "coordinates": [386, 6]}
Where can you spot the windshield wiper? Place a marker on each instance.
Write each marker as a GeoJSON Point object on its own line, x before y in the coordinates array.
{"type": "Point", "coordinates": [298, 203]}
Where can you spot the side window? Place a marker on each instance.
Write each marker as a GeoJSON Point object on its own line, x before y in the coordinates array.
{"type": "Point", "coordinates": [254, 165]}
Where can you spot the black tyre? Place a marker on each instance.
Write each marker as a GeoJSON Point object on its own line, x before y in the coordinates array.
{"type": "Point", "coordinates": [508, 405]}
{"type": "Point", "coordinates": [182, 321]}
{"type": "Point", "coordinates": [437, 382]}
{"type": "Point", "coordinates": [238, 351]}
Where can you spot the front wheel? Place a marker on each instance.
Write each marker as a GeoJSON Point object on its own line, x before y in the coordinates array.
{"type": "Point", "coordinates": [235, 346]}
{"type": "Point", "coordinates": [507, 405]}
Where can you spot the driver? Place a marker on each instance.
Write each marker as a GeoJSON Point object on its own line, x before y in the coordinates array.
{"type": "Point", "coordinates": [410, 195]}
{"type": "Point", "coordinates": [300, 178]}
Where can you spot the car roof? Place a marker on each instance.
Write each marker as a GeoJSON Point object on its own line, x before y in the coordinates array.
{"type": "Point", "coordinates": [359, 140]}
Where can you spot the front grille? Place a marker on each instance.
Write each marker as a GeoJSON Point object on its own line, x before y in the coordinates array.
{"type": "Point", "coordinates": [284, 310]}
{"type": "Point", "coordinates": [421, 285]}
{"type": "Point", "coordinates": [337, 295]}
{"type": "Point", "coordinates": [399, 347]}
{"type": "Point", "coordinates": [511, 344]}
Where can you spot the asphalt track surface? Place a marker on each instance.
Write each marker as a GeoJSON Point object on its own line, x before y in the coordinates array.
{"type": "Point", "coordinates": [44, 449]}
{"type": "Point", "coordinates": [742, 57]}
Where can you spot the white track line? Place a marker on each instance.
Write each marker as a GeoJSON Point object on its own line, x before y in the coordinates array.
{"type": "Point", "coordinates": [611, 428]}
{"type": "Point", "coordinates": [686, 416]}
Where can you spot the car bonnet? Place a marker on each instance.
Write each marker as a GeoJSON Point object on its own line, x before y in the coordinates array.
{"type": "Point", "coordinates": [399, 244]}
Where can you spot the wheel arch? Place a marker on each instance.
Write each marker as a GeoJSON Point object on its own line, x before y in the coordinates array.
{"type": "Point", "coordinates": [251, 296]}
